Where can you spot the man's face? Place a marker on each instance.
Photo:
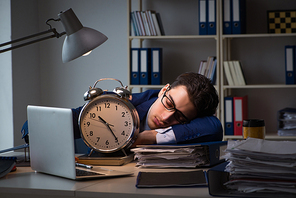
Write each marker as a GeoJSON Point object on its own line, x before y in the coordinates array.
{"type": "Point", "coordinates": [160, 117]}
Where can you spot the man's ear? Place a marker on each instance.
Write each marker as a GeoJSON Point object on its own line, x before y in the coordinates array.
{"type": "Point", "coordinates": [160, 93]}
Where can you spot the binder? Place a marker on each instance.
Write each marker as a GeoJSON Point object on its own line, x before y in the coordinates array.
{"type": "Point", "coordinates": [228, 73]}
{"type": "Point", "coordinates": [145, 66]}
{"type": "Point", "coordinates": [171, 179]}
{"type": "Point", "coordinates": [240, 113]}
{"type": "Point", "coordinates": [202, 4]}
{"type": "Point", "coordinates": [211, 16]}
{"type": "Point", "coordinates": [238, 16]}
{"type": "Point", "coordinates": [156, 66]}
{"type": "Point", "coordinates": [135, 66]}
{"type": "Point", "coordinates": [233, 73]}
{"type": "Point", "coordinates": [228, 116]}
{"type": "Point", "coordinates": [290, 64]}
{"type": "Point", "coordinates": [227, 17]}
{"type": "Point", "coordinates": [239, 72]}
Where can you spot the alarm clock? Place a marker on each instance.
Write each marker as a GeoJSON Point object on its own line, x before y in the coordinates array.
{"type": "Point", "coordinates": [108, 121]}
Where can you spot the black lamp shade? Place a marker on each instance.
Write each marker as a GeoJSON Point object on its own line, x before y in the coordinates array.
{"type": "Point", "coordinates": [79, 39]}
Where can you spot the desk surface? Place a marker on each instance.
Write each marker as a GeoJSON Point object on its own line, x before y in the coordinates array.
{"type": "Point", "coordinates": [27, 183]}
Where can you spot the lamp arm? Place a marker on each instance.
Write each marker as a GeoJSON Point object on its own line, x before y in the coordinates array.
{"type": "Point", "coordinates": [53, 30]}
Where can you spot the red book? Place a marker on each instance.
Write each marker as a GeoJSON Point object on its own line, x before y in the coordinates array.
{"type": "Point", "coordinates": [240, 113]}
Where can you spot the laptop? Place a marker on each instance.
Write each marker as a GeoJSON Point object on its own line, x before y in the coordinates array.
{"type": "Point", "coordinates": [51, 140]}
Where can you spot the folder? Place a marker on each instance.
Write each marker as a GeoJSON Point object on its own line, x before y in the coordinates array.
{"type": "Point", "coordinates": [211, 17]}
{"type": "Point", "coordinates": [145, 66]}
{"type": "Point", "coordinates": [156, 66]}
{"type": "Point", "coordinates": [227, 17]}
{"type": "Point", "coordinates": [228, 116]}
{"type": "Point", "coordinates": [290, 64]}
{"type": "Point", "coordinates": [238, 16]}
{"type": "Point", "coordinates": [135, 66]}
{"type": "Point", "coordinates": [202, 4]}
{"type": "Point", "coordinates": [240, 113]}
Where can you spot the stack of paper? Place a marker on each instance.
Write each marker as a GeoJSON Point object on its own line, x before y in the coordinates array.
{"type": "Point", "coordinates": [179, 156]}
{"type": "Point", "coordinates": [262, 166]}
{"type": "Point", "coordinates": [287, 122]}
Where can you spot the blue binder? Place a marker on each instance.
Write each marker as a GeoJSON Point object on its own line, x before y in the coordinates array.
{"type": "Point", "coordinates": [156, 66]}
{"type": "Point", "coordinates": [202, 4]}
{"type": "Point", "coordinates": [290, 64]}
{"type": "Point", "coordinates": [211, 17]}
{"type": "Point", "coordinates": [228, 116]}
{"type": "Point", "coordinates": [227, 16]}
{"type": "Point", "coordinates": [135, 66]}
{"type": "Point", "coordinates": [145, 66]}
{"type": "Point", "coordinates": [238, 16]}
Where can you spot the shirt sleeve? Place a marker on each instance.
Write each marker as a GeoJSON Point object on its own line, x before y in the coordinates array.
{"type": "Point", "coordinates": [165, 136]}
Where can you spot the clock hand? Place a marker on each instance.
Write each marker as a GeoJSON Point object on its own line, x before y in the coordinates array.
{"type": "Point", "coordinates": [108, 125]}
{"type": "Point", "coordinates": [101, 120]}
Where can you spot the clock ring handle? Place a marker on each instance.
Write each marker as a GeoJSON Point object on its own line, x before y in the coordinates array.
{"type": "Point", "coordinates": [120, 91]}
{"type": "Point", "coordinates": [108, 79]}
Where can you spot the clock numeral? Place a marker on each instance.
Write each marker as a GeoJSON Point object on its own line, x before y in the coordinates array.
{"type": "Point", "coordinates": [91, 133]}
{"type": "Point", "coordinates": [126, 123]}
{"type": "Point", "coordinates": [92, 115]}
{"type": "Point", "coordinates": [123, 133]}
{"type": "Point", "coordinates": [107, 105]}
{"type": "Point", "coordinates": [88, 124]}
{"type": "Point", "coordinates": [107, 142]}
{"type": "Point", "coordinates": [123, 114]}
{"type": "Point", "coordinates": [98, 139]}
{"type": "Point", "coordinates": [99, 108]}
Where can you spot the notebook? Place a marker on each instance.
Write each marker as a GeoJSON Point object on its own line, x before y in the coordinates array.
{"type": "Point", "coordinates": [51, 140]}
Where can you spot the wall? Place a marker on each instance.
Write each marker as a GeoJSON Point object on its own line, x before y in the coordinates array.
{"type": "Point", "coordinates": [40, 77]}
{"type": "Point", "coordinates": [6, 124]}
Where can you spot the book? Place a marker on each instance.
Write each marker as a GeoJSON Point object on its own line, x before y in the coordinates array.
{"type": "Point", "coordinates": [146, 23]}
{"type": "Point", "coordinates": [7, 164]}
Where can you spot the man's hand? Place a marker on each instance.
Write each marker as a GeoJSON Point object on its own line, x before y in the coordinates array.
{"type": "Point", "coordinates": [146, 137]}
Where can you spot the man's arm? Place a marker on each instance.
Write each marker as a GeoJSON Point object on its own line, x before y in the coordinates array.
{"type": "Point", "coordinates": [204, 129]}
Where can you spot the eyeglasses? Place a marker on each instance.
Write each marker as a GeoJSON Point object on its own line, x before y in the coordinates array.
{"type": "Point", "coordinates": [169, 104]}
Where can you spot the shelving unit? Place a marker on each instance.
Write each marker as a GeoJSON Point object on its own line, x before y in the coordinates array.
{"type": "Point", "coordinates": [189, 40]}
{"type": "Point", "coordinates": [268, 90]}
{"type": "Point", "coordinates": [261, 54]}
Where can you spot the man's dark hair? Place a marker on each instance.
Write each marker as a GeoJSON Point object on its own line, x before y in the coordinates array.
{"type": "Point", "coordinates": [201, 92]}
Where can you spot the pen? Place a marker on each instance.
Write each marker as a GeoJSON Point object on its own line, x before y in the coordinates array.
{"type": "Point", "coordinates": [84, 165]}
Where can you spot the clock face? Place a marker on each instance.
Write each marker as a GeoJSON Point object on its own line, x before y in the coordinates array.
{"type": "Point", "coordinates": [108, 123]}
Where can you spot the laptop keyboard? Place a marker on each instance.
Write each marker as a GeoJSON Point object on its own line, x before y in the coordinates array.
{"type": "Point", "coordinates": [80, 172]}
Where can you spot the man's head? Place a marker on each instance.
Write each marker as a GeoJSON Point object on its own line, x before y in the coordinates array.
{"type": "Point", "coordinates": [191, 95]}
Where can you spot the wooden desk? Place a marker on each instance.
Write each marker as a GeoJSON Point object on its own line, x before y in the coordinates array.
{"type": "Point", "coordinates": [25, 183]}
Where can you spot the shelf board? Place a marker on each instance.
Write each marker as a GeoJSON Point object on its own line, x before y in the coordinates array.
{"type": "Point", "coordinates": [175, 37]}
{"type": "Point", "coordinates": [256, 35]}
{"type": "Point", "coordinates": [265, 86]}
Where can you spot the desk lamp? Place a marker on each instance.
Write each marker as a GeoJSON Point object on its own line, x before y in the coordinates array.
{"type": "Point", "coordinates": [79, 40]}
